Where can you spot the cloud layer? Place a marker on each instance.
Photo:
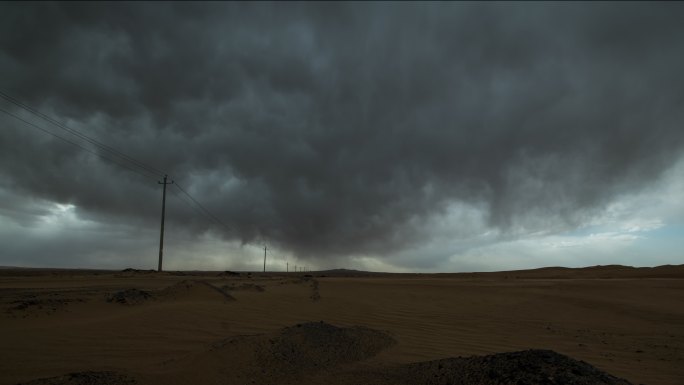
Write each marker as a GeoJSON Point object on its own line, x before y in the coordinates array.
{"type": "Point", "coordinates": [336, 130]}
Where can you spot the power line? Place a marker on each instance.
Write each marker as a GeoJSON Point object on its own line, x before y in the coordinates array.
{"type": "Point", "coordinates": [198, 207]}
{"type": "Point", "coordinates": [143, 169]}
{"type": "Point", "coordinates": [204, 210]}
{"type": "Point", "coordinates": [146, 175]}
{"type": "Point", "coordinates": [187, 202]}
{"type": "Point", "coordinates": [82, 136]}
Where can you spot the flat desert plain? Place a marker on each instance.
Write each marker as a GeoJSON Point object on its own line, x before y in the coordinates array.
{"type": "Point", "coordinates": [335, 327]}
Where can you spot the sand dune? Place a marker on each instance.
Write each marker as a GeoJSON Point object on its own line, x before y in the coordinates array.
{"type": "Point", "coordinates": [72, 327]}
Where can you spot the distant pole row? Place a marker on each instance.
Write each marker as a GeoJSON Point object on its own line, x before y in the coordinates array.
{"type": "Point", "coordinates": [297, 269]}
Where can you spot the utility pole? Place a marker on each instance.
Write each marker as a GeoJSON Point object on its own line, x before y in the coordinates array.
{"type": "Point", "coordinates": [287, 267]}
{"type": "Point", "coordinates": [264, 259]}
{"type": "Point", "coordinates": [161, 236]}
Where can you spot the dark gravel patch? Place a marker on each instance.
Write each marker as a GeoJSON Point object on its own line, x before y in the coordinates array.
{"type": "Point", "coordinates": [244, 287]}
{"type": "Point", "coordinates": [193, 287]}
{"type": "Point", "coordinates": [85, 378]}
{"type": "Point", "coordinates": [129, 297]}
{"type": "Point", "coordinates": [32, 304]}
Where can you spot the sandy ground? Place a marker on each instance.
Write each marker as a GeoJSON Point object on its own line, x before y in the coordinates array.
{"type": "Point", "coordinates": [205, 328]}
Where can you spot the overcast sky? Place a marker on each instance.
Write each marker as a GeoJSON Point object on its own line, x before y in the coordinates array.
{"type": "Point", "coordinates": [381, 136]}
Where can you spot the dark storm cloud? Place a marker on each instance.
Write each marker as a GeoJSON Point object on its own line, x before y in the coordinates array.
{"type": "Point", "coordinates": [334, 129]}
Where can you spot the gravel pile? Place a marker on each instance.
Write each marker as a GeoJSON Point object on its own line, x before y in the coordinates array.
{"type": "Point", "coordinates": [315, 292]}
{"type": "Point", "coordinates": [533, 367]}
{"type": "Point", "coordinates": [316, 345]}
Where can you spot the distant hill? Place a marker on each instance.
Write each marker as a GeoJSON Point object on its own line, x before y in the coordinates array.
{"type": "Point", "coordinates": [599, 271]}
{"type": "Point", "coordinates": [553, 272]}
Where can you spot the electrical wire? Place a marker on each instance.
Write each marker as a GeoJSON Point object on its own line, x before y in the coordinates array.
{"type": "Point", "coordinates": [146, 175]}
{"type": "Point", "coordinates": [187, 202]}
{"type": "Point", "coordinates": [82, 136]}
{"type": "Point", "coordinates": [206, 212]}
{"type": "Point", "coordinates": [144, 170]}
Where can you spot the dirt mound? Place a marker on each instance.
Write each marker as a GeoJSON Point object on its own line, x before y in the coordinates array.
{"type": "Point", "coordinates": [318, 345]}
{"type": "Point", "coordinates": [243, 287]}
{"type": "Point", "coordinates": [85, 378]}
{"type": "Point", "coordinates": [195, 290]}
{"type": "Point", "coordinates": [533, 367]}
{"type": "Point", "coordinates": [129, 297]}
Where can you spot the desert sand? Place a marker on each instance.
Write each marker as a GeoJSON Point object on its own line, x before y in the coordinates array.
{"type": "Point", "coordinates": [606, 324]}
